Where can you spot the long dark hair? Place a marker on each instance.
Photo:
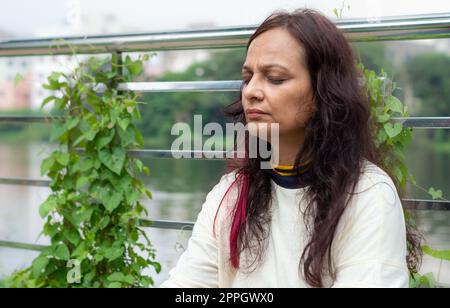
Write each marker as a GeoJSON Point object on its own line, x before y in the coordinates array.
{"type": "Point", "coordinates": [338, 138]}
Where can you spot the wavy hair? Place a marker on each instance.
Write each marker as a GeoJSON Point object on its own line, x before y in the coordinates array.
{"type": "Point", "coordinates": [338, 138]}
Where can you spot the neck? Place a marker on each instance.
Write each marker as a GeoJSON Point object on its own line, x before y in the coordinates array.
{"type": "Point", "coordinates": [289, 146]}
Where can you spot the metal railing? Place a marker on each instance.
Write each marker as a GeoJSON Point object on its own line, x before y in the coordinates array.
{"type": "Point", "coordinates": [411, 27]}
{"type": "Point", "coordinates": [359, 30]}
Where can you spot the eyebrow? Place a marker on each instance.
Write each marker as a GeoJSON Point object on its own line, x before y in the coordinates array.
{"type": "Point", "coordinates": [265, 67]}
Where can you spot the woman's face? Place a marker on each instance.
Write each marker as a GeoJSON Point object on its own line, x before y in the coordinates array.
{"type": "Point", "coordinates": [277, 82]}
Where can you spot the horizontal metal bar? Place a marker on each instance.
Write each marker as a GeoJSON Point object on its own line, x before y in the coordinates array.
{"type": "Point", "coordinates": [415, 122]}
{"type": "Point", "coordinates": [415, 204]}
{"type": "Point", "coordinates": [420, 204]}
{"type": "Point", "coordinates": [183, 86]}
{"type": "Point", "coordinates": [168, 224]}
{"type": "Point", "coordinates": [25, 246]}
{"type": "Point", "coordinates": [386, 28]}
{"type": "Point", "coordinates": [24, 182]}
{"type": "Point", "coordinates": [424, 122]}
{"type": "Point", "coordinates": [406, 27]}
{"type": "Point", "coordinates": [160, 224]}
{"type": "Point", "coordinates": [25, 119]}
{"type": "Point", "coordinates": [210, 155]}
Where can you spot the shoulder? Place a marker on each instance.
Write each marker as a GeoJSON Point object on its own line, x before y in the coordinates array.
{"type": "Point", "coordinates": [372, 227]}
{"type": "Point", "coordinates": [375, 183]}
{"type": "Point", "coordinates": [221, 196]}
{"type": "Point", "coordinates": [223, 185]}
{"type": "Point", "coordinates": [375, 198]}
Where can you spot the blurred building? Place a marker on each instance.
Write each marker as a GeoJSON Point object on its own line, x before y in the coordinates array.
{"type": "Point", "coordinates": [14, 96]}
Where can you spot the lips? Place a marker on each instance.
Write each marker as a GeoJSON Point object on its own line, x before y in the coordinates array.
{"type": "Point", "coordinates": [254, 111]}
{"type": "Point", "coordinates": [255, 114]}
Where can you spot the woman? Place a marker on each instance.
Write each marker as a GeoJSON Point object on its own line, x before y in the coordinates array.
{"type": "Point", "coordinates": [327, 215]}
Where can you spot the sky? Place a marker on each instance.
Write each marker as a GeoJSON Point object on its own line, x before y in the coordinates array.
{"type": "Point", "coordinates": [28, 18]}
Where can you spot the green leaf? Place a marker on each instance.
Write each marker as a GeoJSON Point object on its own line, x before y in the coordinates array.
{"type": "Point", "coordinates": [123, 123]}
{"type": "Point", "coordinates": [134, 67]}
{"type": "Point", "coordinates": [114, 161]}
{"type": "Point", "coordinates": [394, 104]}
{"type": "Point", "coordinates": [129, 279]}
{"type": "Point", "coordinates": [382, 118]}
{"type": "Point", "coordinates": [113, 253]}
{"type": "Point", "coordinates": [393, 130]}
{"type": "Point", "coordinates": [60, 103]}
{"type": "Point", "coordinates": [428, 279]}
{"type": "Point", "coordinates": [114, 114]}
{"type": "Point", "coordinates": [50, 230]}
{"type": "Point", "coordinates": [114, 285]}
{"type": "Point", "coordinates": [48, 100]}
{"type": "Point", "coordinates": [81, 182]}
{"type": "Point", "coordinates": [126, 137]}
{"type": "Point", "coordinates": [400, 171]}
{"type": "Point", "coordinates": [79, 140]}
{"type": "Point", "coordinates": [62, 252]}
{"type": "Point", "coordinates": [116, 277]}
{"type": "Point", "coordinates": [148, 193]}
{"type": "Point", "coordinates": [111, 75]}
{"type": "Point", "coordinates": [81, 251]}
{"type": "Point", "coordinates": [48, 206]}
{"type": "Point", "coordinates": [438, 254]}
{"type": "Point", "coordinates": [112, 201]}
{"type": "Point", "coordinates": [63, 158]}
{"type": "Point", "coordinates": [146, 170]}
{"type": "Point", "coordinates": [146, 282]}
{"type": "Point", "coordinates": [133, 197]}
{"type": "Point", "coordinates": [86, 165]}
{"type": "Point", "coordinates": [335, 12]}
{"type": "Point", "coordinates": [46, 165]}
{"type": "Point", "coordinates": [105, 139]}
{"type": "Point", "coordinates": [88, 127]}
{"type": "Point", "coordinates": [88, 277]}
{"type": "Point", "coordinates": [73, 236]}
{"type": "Point", "coordinates": [57, 131]}
{"type": "Point", "coordinates": [109, 197]}
{"type": "Point", "coordinates": [138, 137]}
{"type": "Point", "coordinates": [39, 265]}
{"type": "Point", "coordinates": [51, 86]}
{"type": "Point", "coordinates": [157, 266]}
{"type": "Point", "coordinates": [435, 194]}
{"type": "Point", "coordinates": [103, 223]}
{"type": "Point", "coordinates": [139, 165]}
{"type": "Point", "coordinates": [71, 123]}
{"type": "Point", "coordinates": [421, 281]}
{"type": "Point", "coordinates": [79, 216]}
{"type": "Point", "coordinates": [54, 77]}
{"type": "Point", "coordinates": [93, 99]}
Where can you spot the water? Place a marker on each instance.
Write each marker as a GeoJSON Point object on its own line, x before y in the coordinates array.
{"type": "Point", "coordinates": [179, 188]}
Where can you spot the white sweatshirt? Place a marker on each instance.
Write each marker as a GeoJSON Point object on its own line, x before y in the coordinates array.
{"type": "Point", "coordinates": [369, 248]}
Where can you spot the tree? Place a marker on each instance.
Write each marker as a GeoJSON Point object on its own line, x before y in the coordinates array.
{"type": "Point", "coordinates": [429, 75]}
{"type": "Point", "coordinates": [164, 109]}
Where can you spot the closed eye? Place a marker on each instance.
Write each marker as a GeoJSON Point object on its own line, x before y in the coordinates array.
{"type": "Point", "coordinates": [272, 80]}
{"type": "Point", "coordinates": [246, 79]}
{"type": "Point", "coordinates": [275, 81]}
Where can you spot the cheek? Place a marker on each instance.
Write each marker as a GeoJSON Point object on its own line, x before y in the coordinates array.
{"type": "Point", "coordinates": [294, 114]}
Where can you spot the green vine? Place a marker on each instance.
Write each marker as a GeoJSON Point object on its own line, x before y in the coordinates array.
{"type": "Point", "coordinates": [391, 139]}
{"type": "Point", "coordinates": [93, 213]}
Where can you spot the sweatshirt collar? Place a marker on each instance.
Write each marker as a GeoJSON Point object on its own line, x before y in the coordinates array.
{"type": "Point", "coordinates": [289, 176]}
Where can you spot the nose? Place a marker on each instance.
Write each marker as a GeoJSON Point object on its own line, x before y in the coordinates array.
{"type": "Point", "coordinates": [252, 91]}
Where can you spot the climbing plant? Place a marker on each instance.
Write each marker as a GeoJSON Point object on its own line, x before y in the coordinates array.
{"type": "Point", "coordinates": [392, 138]}
{"type": "Point", "coordinates": [92, 215]}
